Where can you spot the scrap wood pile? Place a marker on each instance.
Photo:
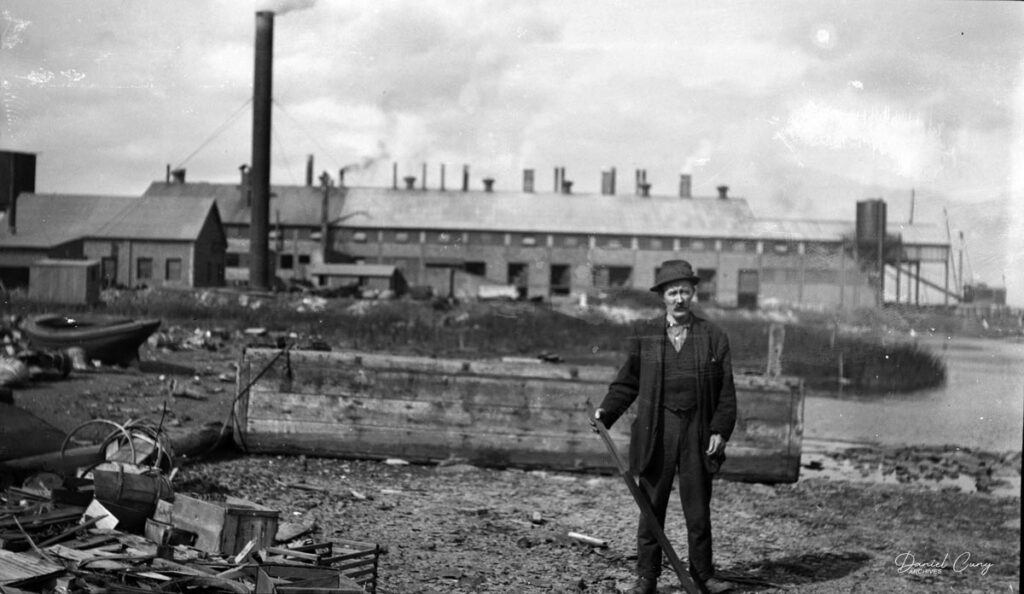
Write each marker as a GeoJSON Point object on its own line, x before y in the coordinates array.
{"type": "Point", "coordinates": [118, 526]}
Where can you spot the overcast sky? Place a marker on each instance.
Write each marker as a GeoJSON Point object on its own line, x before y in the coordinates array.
{"type": "Point", "coordinates": [802, 108]}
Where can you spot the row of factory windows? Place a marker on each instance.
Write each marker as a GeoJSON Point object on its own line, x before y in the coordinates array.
{"type": "Point", "coordinates": [557, 240]}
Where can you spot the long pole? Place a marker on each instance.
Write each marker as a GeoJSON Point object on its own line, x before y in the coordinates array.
{"type": "Point", "coordinates": [648, 512]}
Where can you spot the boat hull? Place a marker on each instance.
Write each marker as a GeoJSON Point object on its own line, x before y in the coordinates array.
{"type": "Point", "coordinates": [498, 414]}
{"type": "Point", "coordinates": [108, 340]}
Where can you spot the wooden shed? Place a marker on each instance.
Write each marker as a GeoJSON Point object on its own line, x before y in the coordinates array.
{"type": "Point", "coordinates": [65, 281]}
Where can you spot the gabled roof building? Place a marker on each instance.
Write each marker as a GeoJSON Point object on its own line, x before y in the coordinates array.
{"type": "Point", "coordinates": [138, 240]}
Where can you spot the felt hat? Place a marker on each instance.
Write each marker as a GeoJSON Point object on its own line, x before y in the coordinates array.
{"type": "Point", "coordinates": [672, 271]}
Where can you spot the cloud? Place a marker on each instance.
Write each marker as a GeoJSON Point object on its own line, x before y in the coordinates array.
{"type": "Point", "coordinates": [911, 145]}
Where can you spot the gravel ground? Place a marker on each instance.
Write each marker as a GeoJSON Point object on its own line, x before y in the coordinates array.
{"type": "Point", "coordinates": [457, 528]}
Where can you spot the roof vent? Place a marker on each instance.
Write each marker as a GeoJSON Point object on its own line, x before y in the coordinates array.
{"type": "Point", "coordinates": [685, 184]}
{"type": "Point", "coordinates": [410, 182]}
{"type": "Point", "coordinates": [178, 175]}
{"type": "Point", "coordinates": [566, 186]}
{"type": "Point", "coordinates": [488, 184]}
{"type": "Point", "coordinates": [723, 192]}
{"type": "Point", "coordinates": [645, 190]}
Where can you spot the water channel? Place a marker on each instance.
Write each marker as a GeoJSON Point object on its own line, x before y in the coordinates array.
{"type": "Point", "coordinates": [981, 406]}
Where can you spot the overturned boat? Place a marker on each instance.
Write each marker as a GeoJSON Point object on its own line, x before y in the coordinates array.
{"type": "Point", "coordinates": [489, 413]}
{"type": "Point", "coordinates": [109, 339]}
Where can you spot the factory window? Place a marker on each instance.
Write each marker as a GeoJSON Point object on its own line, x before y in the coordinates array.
{"type": "Point", "coordinates": [570, 241]}
{"type": "Point", "coordinates": [528, 240]}
{"type": "Point", "coordinates": [446, 237]}
{"type": "Point", "coordinates": [304, 259]}
{"type": "Point", "coordinates": [707, 287]}
{"type": "Point", "coordinates": [486, 238]}
{"type": "Point", "coordinates": [401, 237]}
{"type": "Point", "coordinates": [655, 243]}
{"type": "Point", "coordinates": [287, 262]}
{"type": "Point", "coordinates": [612, 277]}
{"type": "Point", "coordinates": [231, 260]}
{"type": "Point", "coordinates": [613, 242]}
{"type": "Point", "coordinates": [698, 245]}
{"type": "Point", "coordinates": [172, 269]}
{"type": "Point", "coordinates": [359, 236]}
{"type": "Point", "coordinates": [741, 246]}
{"type": "Point", "coordinates": [477, 268]}
{"type": "Point", "coordinates": [783, 247]}
{"type": "Point", "coordinates": [144, 268]}
{"type": "Point", "coordinates": [561, 279]}
{"type": "Point", "coordinates": [519, 275]}
{"type": "Point", "coordinates": [303, 233]}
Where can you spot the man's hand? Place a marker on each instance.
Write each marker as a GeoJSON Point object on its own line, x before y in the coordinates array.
{"type": "Point", "coordinates": [716, 444]}
{"type": "Point", "coordinates": [597, 418]}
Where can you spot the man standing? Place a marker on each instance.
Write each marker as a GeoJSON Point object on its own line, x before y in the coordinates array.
{"type": "Point", "coordinates": [679, 371]}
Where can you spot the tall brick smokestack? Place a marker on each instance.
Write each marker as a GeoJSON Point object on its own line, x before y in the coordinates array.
{"type": "Point", "coordinates": [259, 227]}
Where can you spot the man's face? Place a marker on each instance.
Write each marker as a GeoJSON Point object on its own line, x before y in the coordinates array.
{"type": "Point", "coordinates": [677, 297]}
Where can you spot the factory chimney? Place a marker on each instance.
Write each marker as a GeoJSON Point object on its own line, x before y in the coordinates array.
{"type": "Point", "coordinates": [685, 183]}
{"type": "Point", "coordinates": [263, 77]}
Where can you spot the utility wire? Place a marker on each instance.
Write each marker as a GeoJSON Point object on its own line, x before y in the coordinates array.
{"type": "Point", "coordinates": [284, 156]}
{"type": "Point", "coordinates": [311, 138]}
{"type": "Point", "coordinates": [224, 126]}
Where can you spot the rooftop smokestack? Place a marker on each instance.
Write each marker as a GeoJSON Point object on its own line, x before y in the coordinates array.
{"type": "Point", "coordinates": [423, 186]}
{"type": "Point", "coordinates": [309, 171]}
{"type": "Point", "coordinates": [528, 181]}
{"type": "Point", "coordinates": [641, 181]}
{"type": "Point", "coordinates": [442, 177]}
{"type": "Point", "coordinates": [723, 192]}
{"type": "Point", "coordinates": [608, 182]}
{"type": "Point", "coordinates": [341, 177]}
{"type": "Point", "coordinates": [685, 181]}
{"type": "Point", "coordinates": [245, 185]}
{"type": "Point", "coordinates": [488, 184]}
{"type": "Point", "coordinates": [394, 176]}
{"type": "Point", "coordinates": [465, 178]}
{"type": "Point", "coordinates": [263, 80]}
{"type": "Point", "coordinates": [558, 179]}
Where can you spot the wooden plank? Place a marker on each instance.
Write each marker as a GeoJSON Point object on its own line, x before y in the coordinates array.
{"type": "Point", "coordinates": [23, 568]}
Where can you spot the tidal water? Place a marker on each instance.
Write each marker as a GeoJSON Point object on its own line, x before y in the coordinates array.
{"type": "Point", "coordinates": [981, 406]}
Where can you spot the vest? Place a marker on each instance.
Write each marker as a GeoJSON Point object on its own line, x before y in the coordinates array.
{"type": "Point", "coordinates": [679, 384]}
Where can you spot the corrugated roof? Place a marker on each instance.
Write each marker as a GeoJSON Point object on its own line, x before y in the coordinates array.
{"type": "Point", "coordinates": [383, 208]}
{"type": "Point", "coordinates": [45, 220]}
{"type": "Point", "coordinates": [374, 270]}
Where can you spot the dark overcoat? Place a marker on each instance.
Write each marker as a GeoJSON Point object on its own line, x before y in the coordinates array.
{"type": "Point", "coordinates": [640, 379]}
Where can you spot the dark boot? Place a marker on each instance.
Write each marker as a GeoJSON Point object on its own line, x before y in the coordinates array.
{"type": "Point", "coordinates": [644, 586]}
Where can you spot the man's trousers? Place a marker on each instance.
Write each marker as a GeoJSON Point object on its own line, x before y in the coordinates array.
{"type": "Point", "coordinates": [680, 450]}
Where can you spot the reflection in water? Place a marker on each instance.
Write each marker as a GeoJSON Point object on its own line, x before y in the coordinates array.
{"type": "Point", "coordinates": [981, 406]}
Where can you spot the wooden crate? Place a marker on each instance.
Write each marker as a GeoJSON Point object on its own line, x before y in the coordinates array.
{"type": "Point", "coordinates": [299, 578]}
{"type": "Point", "coordinates": [224, 528]}
{"type": "Point", "coordinates": [357, 560]}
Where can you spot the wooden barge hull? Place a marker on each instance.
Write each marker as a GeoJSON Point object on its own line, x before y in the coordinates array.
{"type": "Point", "coordinates": [489, 413]}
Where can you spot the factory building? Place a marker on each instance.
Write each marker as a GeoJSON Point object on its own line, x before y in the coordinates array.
{"type": "Point", "coordinates": [560, 244]}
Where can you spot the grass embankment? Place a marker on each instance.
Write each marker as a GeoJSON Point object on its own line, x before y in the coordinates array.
{"type": "Point", "coordinates": [813, 349]}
